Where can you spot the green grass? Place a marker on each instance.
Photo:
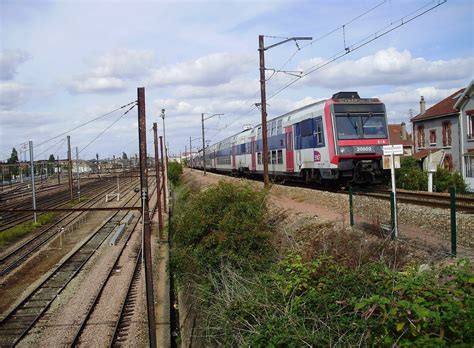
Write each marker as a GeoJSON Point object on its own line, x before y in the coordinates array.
{"type": "Point", "coordinates": [24, 228]}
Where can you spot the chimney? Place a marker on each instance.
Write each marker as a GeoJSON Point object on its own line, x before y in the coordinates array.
{"type": "Point", "coordinates": [422, 105]}
{"type": "Point", "coordinates": [403, 132]}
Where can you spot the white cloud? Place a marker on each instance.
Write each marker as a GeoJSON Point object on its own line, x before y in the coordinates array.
{"type": "Point", "coordinates": [96, 85]}
{"type": "Point", "coordinates": [387, 67]}
{"type": "Point", "coordinates": [211, 70]}
{"type": "Point", "coordinates": [238, 88]}
{"type": "Point", "coordinates": [404, 95]}
{"type": "Point", "coordinates": [123, 63]}
{"type": "Point", "coordinates": [9, 62]}
{"type": "Point", "coordinates": [111, 71]}
{"type": "Point", "coordinates": [13, 94]}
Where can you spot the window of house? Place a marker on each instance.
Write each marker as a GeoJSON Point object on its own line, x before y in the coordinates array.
{"type": "Point", "coordinates": [280, 157]}
{"type": "Point", "coordinates": [447, 133]}
{"type": "Point", "coordinates": [448, 162]}
{"type": "Point", "coordinates": [421, 136]}
{"type": "Point", "coordinates": [259, 156]}
{"type": "Point", "coordinates": [469, 166]}
{"type": "Point", "coordinates": [470, 124]}
{"type": "Point", "coordinates": [259, 132]}
{"type": "Point", "coordinates": [432, 137]}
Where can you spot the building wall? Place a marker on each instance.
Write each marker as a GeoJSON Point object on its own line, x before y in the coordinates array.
{"type": "Point", "coordinates": [468, 145]}
{"type": "Point", "coordinates": [437, 125]}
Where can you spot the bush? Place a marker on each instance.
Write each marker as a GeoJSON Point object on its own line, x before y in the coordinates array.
{"type": "Point", "coordinates": [410, 176]}
{"type": "Point", "coordinates": [175, 170]}
{"type": "Point", "coordinates": [321, 303]}
{"type": "Point", "coordinates": [223, 225]}
{"type": "Point", "coordinates": [443, 179]}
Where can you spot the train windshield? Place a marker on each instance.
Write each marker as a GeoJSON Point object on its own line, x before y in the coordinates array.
{"type": "Point", "coordinates": [361, 125]}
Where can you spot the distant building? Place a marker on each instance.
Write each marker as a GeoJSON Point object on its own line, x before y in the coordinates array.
{"type": "Point", "coordinates": [398, 136]}
{"type": "Point", "coordinates": [465, 105]}
{"type": "Point", "coordinates": [436, 134]}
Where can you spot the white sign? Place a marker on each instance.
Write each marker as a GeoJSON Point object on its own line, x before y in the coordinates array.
{"type": "Point", "coordinates": [387, 163]}
{"type": "Point", "coordinates": [392, 150]}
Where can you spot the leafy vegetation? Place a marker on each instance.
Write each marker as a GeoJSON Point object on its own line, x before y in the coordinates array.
{"type": "Point", "coordinates": [411, 177]}
{"type": "Point", "coordinates": [175, 170]}
{"type": "Point", "coordinates": [24, 228]}
{"type": "Point", "coordinates": [223, 225]}
{"type": "Point", "coordinates": [324, 287]}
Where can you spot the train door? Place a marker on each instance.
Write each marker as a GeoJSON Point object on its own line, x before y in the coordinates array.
{"type": "Point", "coordinates": [233, 157]}
{"type": "Point", "coordinates": [253, 153]}
{"type": "Point", "coordinates": [290, 161]}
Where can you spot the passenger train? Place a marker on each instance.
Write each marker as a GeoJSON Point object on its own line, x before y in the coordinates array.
{"type": "Point", "coordinates": [338, 140]}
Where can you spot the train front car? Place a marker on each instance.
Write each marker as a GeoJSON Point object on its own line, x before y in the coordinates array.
{"type": "Point", "coordinates": [359, 131]}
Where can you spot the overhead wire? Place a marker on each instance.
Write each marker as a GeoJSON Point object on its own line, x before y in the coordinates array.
{"type": "Point", "coordinates": [108, 127]}
{"type": "Point", "coordinates": [299, 48]}
{"type": "Point", "coordinates": [85, 123]}
{"type": "Point", "coordinates": [361, 43]}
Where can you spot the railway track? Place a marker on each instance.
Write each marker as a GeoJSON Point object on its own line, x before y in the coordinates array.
{"type": "Point", "coordinates": [10, 219]}
{"type": "Point", "coordinates": [464, 203]}
{"type": "Point", "coordinates": [127, 308]}
{"type": "Point", "coordinates": [21, 253]}
{"type": "Point", "coordinates": [22, 318]}
{"type": "Point", "coordinates": [128, 304]}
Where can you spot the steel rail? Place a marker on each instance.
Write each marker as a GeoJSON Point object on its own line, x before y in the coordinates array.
{"type": "Point", "coordinates": [21, 319]}
{"type": "Point", "coordinates": [30, 246]}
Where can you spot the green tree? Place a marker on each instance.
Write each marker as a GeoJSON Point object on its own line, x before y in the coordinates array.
{"type": "Point", "coordinates": [124, 156]}
{"type": "Point", "coordinates": [13, 157]}
{"type": "Point", "coordinates": [443, 179]}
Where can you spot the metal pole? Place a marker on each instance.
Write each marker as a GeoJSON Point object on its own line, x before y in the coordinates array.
{"type": "Point", "coordinates": [351, 206]}
{"type": "Point", "coordinates": [203, 145]}
{"type": "Point", "coordinates": [163, 187]}
{"type": "Point", "coordinates": [166, 153]}
{"type": "Point", "coordinates": [190, 154]}
{"type": "Point", "coordinates": [263, 99]}
{"type": "Point", "coordinates": [452, 193]}
{"type": "Point", "coordinates": [394, 190]}
{"type": "Point", "coordinates": [78, 176]}
{"type": "Point", "coordinates": [150, 298]}
{"type": "Point", "coordinates": [59, 172]}
{"type": "Point", "coordinates": [32, 170]}
{"type": "Point", "coordinates": [69, 159]}
{"type": "Point", "coordinates": [157, 169]}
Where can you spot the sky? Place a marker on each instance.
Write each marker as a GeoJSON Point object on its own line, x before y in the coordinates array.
{"type": "Point", "coordinates": [64, 63]}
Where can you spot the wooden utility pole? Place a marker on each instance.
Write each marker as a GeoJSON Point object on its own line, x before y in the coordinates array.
{"type": "Point", "coordinates": [163, 178]}
{"type": "Point", "coordinates": [150, 297]}
{"type": "Point", "coordinates": [157, 169]}
{"type": "Point", "coordinates": [69, 160]}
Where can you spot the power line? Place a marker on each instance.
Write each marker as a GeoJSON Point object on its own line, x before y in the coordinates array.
{"type": "Point", "coordinates": [49, 148]}
{"type": "Point", "coordinates": [86, 123]}
{"type": "Point", "coordinates": [361, 43]}
{"type": "Point", "coordinates": [275, 72]}
{"type": "Point", "coordinates": [107, 128]}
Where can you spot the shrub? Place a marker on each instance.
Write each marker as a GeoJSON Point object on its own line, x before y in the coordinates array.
{"type": "Point", "coordinates": [410, 176]}
{"type": "Point", "coordinates": [175, 170]}
{"type": "Point", "coordinates": [443, 179]}
{"type": "Point", "coordinates": [223, 225]}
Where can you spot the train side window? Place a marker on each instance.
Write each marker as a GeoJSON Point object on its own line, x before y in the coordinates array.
{"type": "Point", "coordinates": [318, 132]}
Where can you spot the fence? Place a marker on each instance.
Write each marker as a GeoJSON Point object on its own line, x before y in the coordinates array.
{"type": "Point", "coordinates": [447, 230]}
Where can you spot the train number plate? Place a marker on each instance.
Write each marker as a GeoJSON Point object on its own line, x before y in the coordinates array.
{"type": "Point", "coordinates": [364, 149]}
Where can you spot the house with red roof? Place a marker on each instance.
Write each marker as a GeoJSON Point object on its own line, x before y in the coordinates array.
{"type": "Point", "coordinates": [436, 134]}
{"type": "Point", "coordinates": [398, 135]}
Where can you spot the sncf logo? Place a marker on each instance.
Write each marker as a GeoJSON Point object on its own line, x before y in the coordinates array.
{"type": "Point", "coordinates": [317, 156]}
